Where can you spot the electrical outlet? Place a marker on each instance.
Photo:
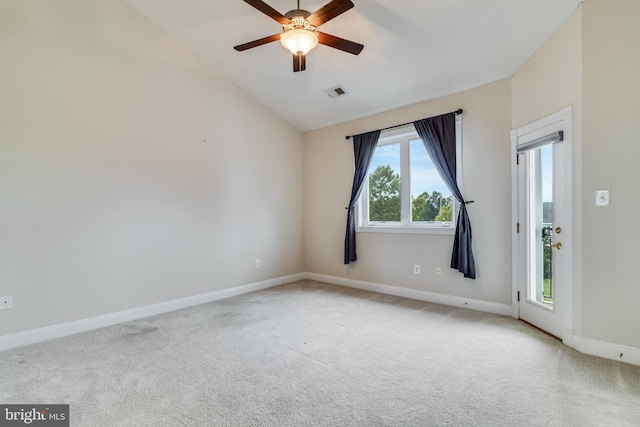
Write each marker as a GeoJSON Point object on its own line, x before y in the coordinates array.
{"type": "Point", "coordinates": [258, 263]}
{"type": "Point", "coordinates": [438, 271]}
{"type": "Point", "coordinates": [602, 197]}
{"type": "Point", "coordinates": [6, 302]}
{"type": "Point", "coordinates": [416, 269]}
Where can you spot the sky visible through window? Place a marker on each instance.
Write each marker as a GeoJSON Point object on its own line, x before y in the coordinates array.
{"type": "Point", "coordinates": [424, 176]}
{"type": "Point", "coordinates": [547, 173]}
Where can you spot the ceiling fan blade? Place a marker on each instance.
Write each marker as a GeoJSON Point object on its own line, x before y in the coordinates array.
{"type": "Point", "coordinates": [339, 43]}
{"type": "Point", "coordinates": [269, 11]}
{"type": "Point", "coordinates": [257, 43]}
{"type": "Point", "coordinates": [329, 11]}
{"type": "Point", "coordinates": [299, 62]}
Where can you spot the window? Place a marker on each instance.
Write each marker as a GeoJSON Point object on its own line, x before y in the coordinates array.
{"type": "Point", "coordinates": [404, 192]}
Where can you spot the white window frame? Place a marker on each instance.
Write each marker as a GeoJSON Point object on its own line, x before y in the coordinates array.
{"type": "Point", "coordinates": [403, 136]}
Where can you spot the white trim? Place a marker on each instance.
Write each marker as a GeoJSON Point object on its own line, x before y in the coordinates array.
{"type": "Point", "coordinates": [538, 128]}
{"type": "Point", "coordinates": [569, 229]}
{"type": "Point", "coordinates": [515, 246]}
{"type": "Point", "coordinates": [407, 229]}
{"type": "Point", "coordinates": [576, 212]}
{"type": "Point", "coordinates": [64, 329]}
{"type": "Point", "coordinates": [403, 136]}
{"type": "Point", "coordinates": [607, 350]}
{"type": "Point", "coordinates": [473, 304]}
{"type": "Point", "coordinates": [515, 311]}
{"type": "Point", "coordinates": [561, 120]}
{"type": "Point", "coordinates": [584, 345]}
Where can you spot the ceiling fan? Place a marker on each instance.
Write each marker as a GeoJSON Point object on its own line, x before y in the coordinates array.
{"type": "Point", "coordinates": [300, 34]}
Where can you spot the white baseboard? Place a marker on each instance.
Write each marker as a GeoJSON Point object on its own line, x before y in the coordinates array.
{"type": "Point", "coordinates": [618, 352]}
{"type": "Point", "coordinates": [64, 329]}
{"type": "Point", "coordinates": [584, 345]}
{"type": "Point", "coordinates": [515, 311]}
{"type": "Point", "coordinates": [473, 304]}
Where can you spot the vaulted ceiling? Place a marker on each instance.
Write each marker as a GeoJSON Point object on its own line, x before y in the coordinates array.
{"type": "Point", "coordinates": [414, 50]}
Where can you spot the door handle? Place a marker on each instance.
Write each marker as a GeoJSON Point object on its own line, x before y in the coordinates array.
{"type": "Point", "coordinates": [558, 245]}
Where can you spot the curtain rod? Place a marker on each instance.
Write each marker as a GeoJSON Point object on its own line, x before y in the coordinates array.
{"type": "Point", "coordinates": [460, 111]}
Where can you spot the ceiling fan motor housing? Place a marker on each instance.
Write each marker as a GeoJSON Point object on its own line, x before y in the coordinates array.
{"type": "Point", "coordinates": [298, 22]}
{"type": "Point", "coordinates": [296, 13]}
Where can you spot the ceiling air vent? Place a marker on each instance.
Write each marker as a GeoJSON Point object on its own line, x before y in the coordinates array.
{"type": "Point", "coordinates": [335, 92]}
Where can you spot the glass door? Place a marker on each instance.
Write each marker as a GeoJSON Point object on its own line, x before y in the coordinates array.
{"type": "Point", "coordinates": [542, 214]}
{"type": "Point", "coordinates": [541, 230]}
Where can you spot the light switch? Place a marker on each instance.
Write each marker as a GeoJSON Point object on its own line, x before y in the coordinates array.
{"type": "Point", "coordinates": [602, 197]}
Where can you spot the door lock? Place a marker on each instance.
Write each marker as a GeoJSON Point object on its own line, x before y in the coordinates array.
{"type": "Point", "coordinates": [558, 245]}
{"type": "Point", "coordinates": [558, 230]}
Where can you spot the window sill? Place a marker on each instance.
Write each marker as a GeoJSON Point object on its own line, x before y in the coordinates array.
{"type": "Point", "coordinates": [404, 229]}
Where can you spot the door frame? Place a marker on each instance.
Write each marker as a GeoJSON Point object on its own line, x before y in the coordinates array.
{"type": "Point", "coordinates": [561, 120]}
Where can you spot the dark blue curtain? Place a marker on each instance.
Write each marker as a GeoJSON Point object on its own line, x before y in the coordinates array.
{"type": "Point", "coordinates": [439, 137]}
{"type": "Point", "coordinates": [364, 146]}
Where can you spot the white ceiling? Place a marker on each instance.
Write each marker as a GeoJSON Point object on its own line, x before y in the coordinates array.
{"type": "Point", "coordinates": [414, 50]}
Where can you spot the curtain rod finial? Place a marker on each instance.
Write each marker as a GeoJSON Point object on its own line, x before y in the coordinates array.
{"type": "Point", "coordinates": [347, 137]}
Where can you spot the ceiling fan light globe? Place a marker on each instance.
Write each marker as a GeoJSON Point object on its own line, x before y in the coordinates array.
{"type": "Point", "coordinates": [299, 40]}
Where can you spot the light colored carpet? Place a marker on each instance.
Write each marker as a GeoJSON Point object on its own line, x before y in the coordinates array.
{"type": "Point", "coordinates": [310, 354]}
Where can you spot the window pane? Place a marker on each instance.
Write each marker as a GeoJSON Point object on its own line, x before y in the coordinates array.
{"type": "Point", "coordinates": [431, 200]}
{"type": "Point", "coordinates": [384, 184]}
{"type": "Point", "coordinates": [545, 294]}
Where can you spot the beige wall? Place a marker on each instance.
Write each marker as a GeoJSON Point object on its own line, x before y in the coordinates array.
{"type": "Point", "coordinates": [611, 154]}
{"type": "Point", "coordinates": [549, 81]}
{"type": "Point", "coordinates": [593, 64]}
{"type": "Point", "coordinates": [109, 198]}
{"type": "Point", "coordinates": [552, 78]}
{"type": "Point", "coordinates": [389, 258]}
